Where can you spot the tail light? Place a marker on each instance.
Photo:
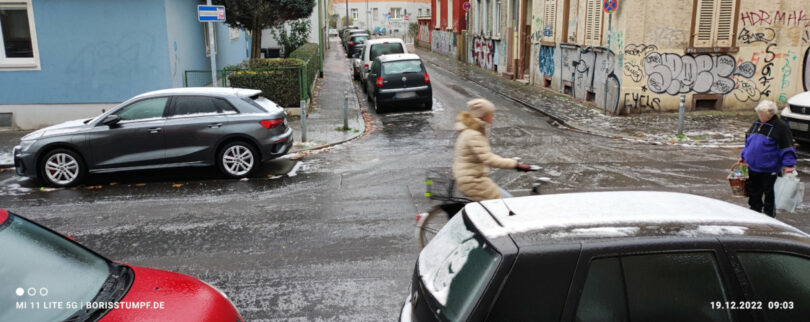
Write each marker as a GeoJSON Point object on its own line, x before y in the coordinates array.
{"type": "Point", "coordinates": [427, 78]}
{"type": "Point", "coordinates": [365, 66]}
{"type": "Point", "coordinates": [379, 82]}
{"type": "Point", "coordinates": [351, 43]}
{"type": "Point", "coordinates": [269, 124]}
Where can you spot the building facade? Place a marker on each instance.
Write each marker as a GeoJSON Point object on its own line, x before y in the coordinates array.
{"type": "Point", "coordinates": [72, 59]}
{"type": "Point", "coordinates": [719, 54]}
{"type": "Point", "coordinates": [448, 20]}
{"type": "Point", "coordinates": [378, 16]}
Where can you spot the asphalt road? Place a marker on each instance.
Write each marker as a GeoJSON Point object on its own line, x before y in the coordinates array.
{"type": "Point", "coordinates": [329, 236]}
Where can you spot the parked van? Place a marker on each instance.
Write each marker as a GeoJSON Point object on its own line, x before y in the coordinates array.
{"type": "Point", "coordinates": [378, 47]}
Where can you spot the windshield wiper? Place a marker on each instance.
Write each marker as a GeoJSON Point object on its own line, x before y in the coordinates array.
{"type": "Point", "coordinates": [114, 288]}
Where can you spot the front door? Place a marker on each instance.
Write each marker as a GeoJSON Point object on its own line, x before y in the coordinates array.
{"type": "Point", "coordinates": [525, 40]}
{"type": "Point", "coordinates": [137, 140]}
{"type": "Point", "coordinates": [194, 127]}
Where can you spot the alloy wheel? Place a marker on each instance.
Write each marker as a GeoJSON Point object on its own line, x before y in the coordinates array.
{"type": "Point", "coordinates": [62, 168]}
{"type": "Point", "coordinates": [237, 160]}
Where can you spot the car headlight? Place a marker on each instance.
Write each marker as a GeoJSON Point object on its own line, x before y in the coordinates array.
{"type": "Point", "coordinates": [26, 144]}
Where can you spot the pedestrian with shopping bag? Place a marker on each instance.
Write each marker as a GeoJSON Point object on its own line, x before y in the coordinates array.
{"type": "Point", "coordinates": [768, 152]}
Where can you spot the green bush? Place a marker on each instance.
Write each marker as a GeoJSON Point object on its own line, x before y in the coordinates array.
{"type": "Point", "coordinates": [308, 53]}
{"type": "Point", "coordinates": [277, 78]}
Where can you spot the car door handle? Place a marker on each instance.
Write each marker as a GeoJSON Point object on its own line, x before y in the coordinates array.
{"type": "Point", "coordinates": [155, 130]}
{"type": "Point", "coordinates": [215, 125]}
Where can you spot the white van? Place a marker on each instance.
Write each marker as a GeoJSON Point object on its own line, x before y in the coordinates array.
{"type": "Point", "coordinates": [379, 47]}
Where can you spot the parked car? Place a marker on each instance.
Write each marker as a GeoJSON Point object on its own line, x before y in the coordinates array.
{"type": "Point", "coordinates": [349, 36]}
{"type": "Point", "coordinates": [333, 32]}
{"type": "Point", "coordinates": [353, 40]}
{"type": "Point", "coordinates": [349, 31]}
{"type": "Point", "coordinates": [375, 48]}
{"type": "Point", "coordinates": [399, 81]}
{"type": "Point", "coordinates": [357, 64]}
{"type": "Point", "coordinates": [232, 128]}
{"type": "Point", "coordinates": [797, 114]}
{"type": "Point", "coordinates": [617, 256]}
{"type": "Point", "coordinates": [61, 276]}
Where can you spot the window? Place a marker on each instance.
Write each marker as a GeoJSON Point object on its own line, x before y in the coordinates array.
{"type": "Point", "coordinates": [396, 13]}
{"type": "Point", "coordinates": [779, 278]}
{"type": "Point", "coordinates": [593, 23]}
{"type": "Point", "coordinates": [438, 13]}
{"type": "Point", "coordinates": [488, 14]}
{"type": "Point", "coordinates": [714, 23]}
{"type": "Point", "coordinates": [656, 287]}
{"type": "Point", "coordinates": [449, 14]}
{"type": "Point", "coordinates": [354, 13]}
{"type": "Point", "coordinates": [18, 43]}
{"type": "Point", "coordinates": [418, 12]}
{"type": "Point", "coordinates": [385, 49]}
{"type": "Point", "coordinates": [402, 67]}
{"type": "Point", "coordinates": [186, 105]}
{"type": "Point", "coordinates": [570, 18]}
{"type": "Point", "coordinates": [207, 41]}
{"type": "Point", "coordinates": [145, 109]}
{"type": "Point", "coordinates": [515, 15]}
{"type": "Point", "coordinates": [549, 20]}
{"type": "Point", "coordinates": [428, 12]}
{"type": "Point", "coordinates": [374, 13]}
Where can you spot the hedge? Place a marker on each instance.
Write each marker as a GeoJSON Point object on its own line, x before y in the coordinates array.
{"type": "Point", "coordinates": [277, 78]}
{"type": "Point", "coordinates": [308, 53]}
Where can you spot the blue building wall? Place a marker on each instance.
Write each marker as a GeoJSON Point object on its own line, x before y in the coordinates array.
{"type": "Point", "coordinates": [230, 51]}
{"type": "Point", "coordinates": [92, 51]}
{"type": "Point", "coordinates": [185, 40]}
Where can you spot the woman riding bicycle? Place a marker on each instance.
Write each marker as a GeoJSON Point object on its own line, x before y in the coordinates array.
{"type": "Point", "coordinates": [473, 156]}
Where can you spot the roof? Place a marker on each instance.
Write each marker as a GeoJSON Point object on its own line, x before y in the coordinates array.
{"type": "Point", "coordinates": [210, 91]}
{"type": "Point", "coordinates": [382, 40]}
{"type": "Point", "coordinates": [397, 57]}
{"type": "Point", "coordinates": [621, 214]}
{"type": "Point", "coordinates": [801, 99]}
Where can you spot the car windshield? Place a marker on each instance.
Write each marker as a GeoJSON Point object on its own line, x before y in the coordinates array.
{"type": "Point", "coordinates": [360, 38]}
{"type": "Point", "coordinates": [41, 270]}
{"type": "Point", "coordinates": [385, 49]}
{"type": "Point", "coordinates": [402, 67]}
{"type": "Point", "coordinates": [456, 266]}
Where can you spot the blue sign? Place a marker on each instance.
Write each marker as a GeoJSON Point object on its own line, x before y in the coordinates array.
{"type": "Point", "coordinates": [210, 13]}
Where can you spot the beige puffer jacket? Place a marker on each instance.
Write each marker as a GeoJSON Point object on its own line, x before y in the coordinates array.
{"type": "Point", "coordinates": [473, 157]}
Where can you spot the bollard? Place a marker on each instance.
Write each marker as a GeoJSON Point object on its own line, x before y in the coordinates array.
{"type": "Point", "coordinates": [303, 121]}
{"type": "Point", "coordinates": [345, 110]}
{"type": "Point", "coordinates": [681, 108]}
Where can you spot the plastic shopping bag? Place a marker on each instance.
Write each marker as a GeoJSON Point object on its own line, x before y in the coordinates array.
{"type": "Point", "coordinates": [788, 191]}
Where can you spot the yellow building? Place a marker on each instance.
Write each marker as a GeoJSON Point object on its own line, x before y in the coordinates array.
{"type": "Point", "coordinates": [720, 54]}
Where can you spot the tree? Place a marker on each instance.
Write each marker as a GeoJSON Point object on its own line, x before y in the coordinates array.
{"type": "Point", "coordinates": [297, 36]}
{"type": "Point", "coordinates": [333, 19]}
{"type": "Point", "coordinates": [255, 15]}
{"type": "Point", "coordinates": [347, 21]}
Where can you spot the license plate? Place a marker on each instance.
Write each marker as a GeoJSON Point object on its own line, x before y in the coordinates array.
{"type": "Point", "coordinates": [406, 95]}
{"type": "Point", "coordinates": [799, 126]}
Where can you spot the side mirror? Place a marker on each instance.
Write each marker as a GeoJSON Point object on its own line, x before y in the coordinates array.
{"type": "Point", "coordinates": [111, 120]}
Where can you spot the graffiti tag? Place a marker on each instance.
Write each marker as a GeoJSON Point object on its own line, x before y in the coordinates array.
{"type": "Point", "coordinates": [748, 37]}
{"type": "Point", "coordinates": [640, 49]}
{"type": "Point", "coordinates": [778, 17]}
{"type": "Point", "coordinates": [635, 102]}
{"type": "Point", "coordinates": [633, 71]}
{"type": "Point", "coordinates": [545, 60]}
{"type": "Point", "coordinates": [746, 69]}
{"type": "Point", "coordinates": [483, 53]}
{"type": "Point", "coordinates": [674, 74]}
{"type": "Point", "coordinates": [765, 79]}
{"type": "Point", "coordinates": [443, 42]}
{"type": "Point", "coordinates": [747, 91]}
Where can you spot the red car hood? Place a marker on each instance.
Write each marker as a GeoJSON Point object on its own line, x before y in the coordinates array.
{"type": "Point", "coordinates": [158, 295]}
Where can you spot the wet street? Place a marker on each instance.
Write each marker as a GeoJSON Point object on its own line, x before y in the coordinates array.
{"type": "Point", "coordinates": [329, 235]}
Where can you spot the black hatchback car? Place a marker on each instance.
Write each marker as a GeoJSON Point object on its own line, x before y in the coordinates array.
{"type": "Point", "coordinates": [354, 40]}
{"type": "Point", "coordinates": [232, 128]}
{"type": "Point", "coordinates": [611, 256]}
{"type": "Point", "coordinates": [399, 81]}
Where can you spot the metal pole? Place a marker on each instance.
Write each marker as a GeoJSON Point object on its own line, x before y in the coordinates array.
{"type": "Point", "coordinates": [211, 43]}
{"type": "Point", "coordinates": [604, 109]}
{"type": "Point", "coordinates": [681, 109]}
{"type": "Point", "coordinates": [320, 39]}
{"type": "Point", "coordinates": [303, 104]}
{"type": "Point", "coordinates": [345, 110]}
{"type": "Point", "coordinates": [347, 13]}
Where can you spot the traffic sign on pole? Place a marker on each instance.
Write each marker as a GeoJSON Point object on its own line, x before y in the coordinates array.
{"type": "Point", "coordinates": [610, 5]}
{"type": "Point", "coordinates": [466, 6]}
{"type": "Point", "coordinates": [211, 13]}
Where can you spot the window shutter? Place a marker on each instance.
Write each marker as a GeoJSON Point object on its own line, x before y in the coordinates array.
{"type": "Point", "coordinates": [549, 13]}
{"type": "Point", "coordinates": [593, 23]}
{"type": "Point", "coordinates": [438, 13]}
{"type": "Point", "coordinates": [725, 23]}
{"type": "Point", "coordinates": [704, 23]}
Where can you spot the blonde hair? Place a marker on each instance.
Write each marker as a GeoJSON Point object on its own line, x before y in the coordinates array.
{"type": "Point", "coordinates": [767, 107]}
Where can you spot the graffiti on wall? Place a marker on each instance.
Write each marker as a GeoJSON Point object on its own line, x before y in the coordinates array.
{"type": "Point", "coordinates": [443, 42]}
{"type": "Point", "coordinates": [777, 17]}
{"type": "Point", "coordinates": [633, 71]}
{"type": "Point", "coordinates": [545, 60]}
{"type": "Point", "coordinates": [484, 53]}
{"type": "Point", "coordinates": [765, 36]}
{"type": "Point", "coordinates": [668, 37]}
{"type": "Point", "coordinates": [636, 102]}
{"type": "Point", "coordinates": [639, 50]}
{"type": "Point", "coordinates": [675, 74]}
{"type": "Point", "coordinates": [537, 36]}
{"type": "Point", "coordinates": [424, 32]}
{"type": "Point", "coordinates": [765, 79]}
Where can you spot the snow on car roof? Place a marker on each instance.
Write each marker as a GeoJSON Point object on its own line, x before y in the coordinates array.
{"type": "Point", "coordinates": [208, 91]}
{"type": "Point", "coordinates": [616, 214]}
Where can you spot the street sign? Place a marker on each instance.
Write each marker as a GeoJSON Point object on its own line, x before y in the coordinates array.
{"type": "Point", "coordinates": [610, 5]}
{"type": "Point", "coordinates": [406, 18]}
{"type": "Point", "coordinates": [466, 6]}
{"type": "Point", "coordinates": [210, 13]}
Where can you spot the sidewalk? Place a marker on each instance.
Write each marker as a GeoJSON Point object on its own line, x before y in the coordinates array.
{"type": "Point", "coordinates": [323, 122]}
{"type": "Point", "coordinates": [326, 115]}
{"type": "Point", "coordinates": [703, 128]}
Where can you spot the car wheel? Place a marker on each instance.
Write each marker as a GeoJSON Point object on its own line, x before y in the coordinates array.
{"type": "Point", "coordinates": [378, 108]}
{"type": "Point", "coordinates": [363, 85]}
{"type": "Point", "coordinates": [62, 168]}
{"type": "Point", "coordinates": [237, 159]}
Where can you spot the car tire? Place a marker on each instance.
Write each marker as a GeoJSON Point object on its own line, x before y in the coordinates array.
{"type": "Point", "coordinates": [363, 85]}
{"type": "Point", "coordinates": [62, 168]}
{"type": "Point", "coordinates": [237, 159]}
{"type": "Point", "coordinates": [429, 105]}
{"type": "Point", "coordinates": [378, 108]}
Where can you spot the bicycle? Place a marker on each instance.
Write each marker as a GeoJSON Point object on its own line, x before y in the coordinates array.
{"type": "Point", "coordinates": [441, 187]}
